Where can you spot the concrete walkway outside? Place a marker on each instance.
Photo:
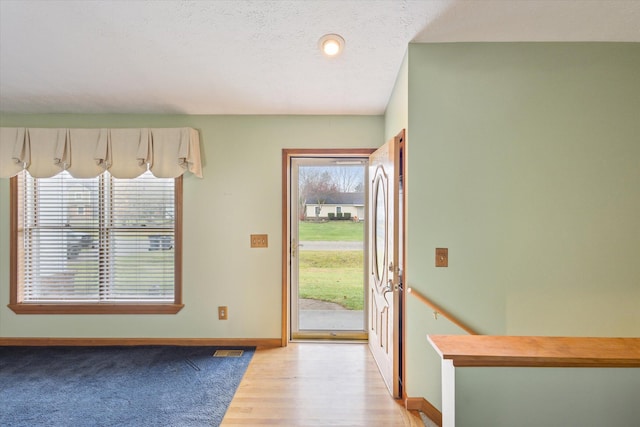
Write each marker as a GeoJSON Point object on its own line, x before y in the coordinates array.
{"type": "Point", "coordinates": [315, 314]}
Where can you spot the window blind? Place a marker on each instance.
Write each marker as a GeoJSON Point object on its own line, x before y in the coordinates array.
{"type": "Point", "coordinates": [96, 240]}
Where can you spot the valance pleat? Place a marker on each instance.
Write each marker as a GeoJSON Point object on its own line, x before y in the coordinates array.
{"type": "Point", "coordinates": [45, 152]}
{"type": "Point", "coordinates": [169, 144]}
{"type": "Point", "coordinates": [82, 145]}
{"type": "Point", "coordinates": [127, 152]}
{"type": "Point", "coordinates": [85, 153]}
{"type": "Point", "coordinates": [12, 148]}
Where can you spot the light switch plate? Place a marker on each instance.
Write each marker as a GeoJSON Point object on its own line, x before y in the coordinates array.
{"type": "Point", "coordinates": [223, 312]}
{"type": "Point", "coordinates": [259, 240]}
{"type": "Point", "coordinates": [442, 257]}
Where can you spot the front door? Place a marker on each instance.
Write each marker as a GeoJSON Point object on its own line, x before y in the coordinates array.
{"type": "Point", "coordinates": [385, 261]}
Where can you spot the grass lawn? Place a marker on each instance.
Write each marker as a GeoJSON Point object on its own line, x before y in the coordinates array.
{"type": "Point", "coordinates": [345, 231]}
{"type": "Point", "coordinates": [334, 276]}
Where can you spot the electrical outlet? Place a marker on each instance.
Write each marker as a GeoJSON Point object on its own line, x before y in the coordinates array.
{"type": "Point", "coordinates": [223, 312]}
{"type": "Point", "coordinates": [259, 240]}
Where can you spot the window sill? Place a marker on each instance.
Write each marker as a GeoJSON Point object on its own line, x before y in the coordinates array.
{"type": "Point", "coordinates": [96, 308]}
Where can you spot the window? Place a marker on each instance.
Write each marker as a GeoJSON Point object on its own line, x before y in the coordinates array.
{"type": "Point", "coordinates": [95, 245]}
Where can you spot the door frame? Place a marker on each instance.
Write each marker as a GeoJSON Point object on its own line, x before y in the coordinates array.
{"type": "Point", "coordinates": [402, 163]}
{"type": "Point", "coordinates": [287, 155]}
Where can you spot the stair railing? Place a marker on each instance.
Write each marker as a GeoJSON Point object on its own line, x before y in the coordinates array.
{"type": "Point", "coordinates": [437, 310]}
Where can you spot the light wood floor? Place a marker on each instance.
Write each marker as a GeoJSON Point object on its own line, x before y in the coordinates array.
{"type": "Point", "coordinates": [315, 384]}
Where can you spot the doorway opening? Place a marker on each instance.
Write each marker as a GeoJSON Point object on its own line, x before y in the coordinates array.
{"type": "Point", "coordinates": [369, 274]}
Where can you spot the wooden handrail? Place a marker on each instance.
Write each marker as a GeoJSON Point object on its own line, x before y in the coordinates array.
{"type": "Point", "coordinates": [439, 310]}
{"type": "Point", "coordinates": [523, 351]}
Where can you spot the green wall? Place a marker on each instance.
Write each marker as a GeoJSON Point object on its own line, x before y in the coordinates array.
{"type": "Point", "coordinates": [396, 115]}
{"type": "Point", "coordinates": [239, 195]}
{"type": "Point", "coordinates": [524, 161]}
{"type": "Point", "coordinates": [549, 397]}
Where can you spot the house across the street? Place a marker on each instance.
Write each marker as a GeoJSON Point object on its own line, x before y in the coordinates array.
{"type": "Point", "coordinates": [336, 206]}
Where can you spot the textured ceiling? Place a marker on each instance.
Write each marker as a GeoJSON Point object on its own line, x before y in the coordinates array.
{"type": "Point", "coordinates": [256, 57]}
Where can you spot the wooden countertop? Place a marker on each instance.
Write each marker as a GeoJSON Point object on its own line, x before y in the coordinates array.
{"type": "Point", "coordinates": [523, 351]}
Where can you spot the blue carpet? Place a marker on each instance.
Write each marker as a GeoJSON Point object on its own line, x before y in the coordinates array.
{"type": "Point", "coordinates": [117, 386]}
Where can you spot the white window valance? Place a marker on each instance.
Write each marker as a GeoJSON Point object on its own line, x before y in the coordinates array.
{"type": "Point", "coordinates": [85, 153]}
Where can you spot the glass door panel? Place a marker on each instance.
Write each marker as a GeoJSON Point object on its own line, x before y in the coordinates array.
{"type": "Point", "coordinates": [328, 248]}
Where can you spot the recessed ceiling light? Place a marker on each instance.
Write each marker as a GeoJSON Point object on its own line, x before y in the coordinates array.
{"type": "Point", "coordinates": [331, 44]}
